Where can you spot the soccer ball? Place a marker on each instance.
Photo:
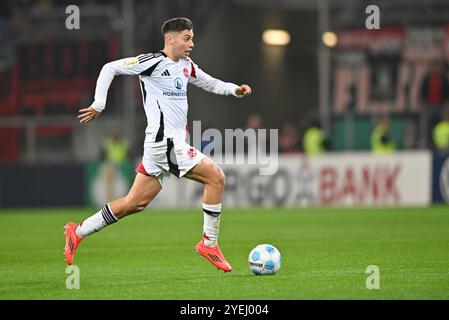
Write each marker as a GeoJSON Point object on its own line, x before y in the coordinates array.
{"type": "Point", "coordinates": [264, 259]}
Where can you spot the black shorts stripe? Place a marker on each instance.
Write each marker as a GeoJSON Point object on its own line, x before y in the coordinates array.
{"type": "Point", "coordinates": [172, 165]}
{"type": "Point", "coordinates": [160, 131]}
{"type": "Point", "coordinates": [212, 213]}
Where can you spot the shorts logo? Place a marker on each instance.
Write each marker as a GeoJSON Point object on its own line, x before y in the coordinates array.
{"type": "Point", "coordinates": [178, 83]}
{"type": "Point", "coordinates": [191, 153]}
{"type": "Point", "coordinates": [186, 72]}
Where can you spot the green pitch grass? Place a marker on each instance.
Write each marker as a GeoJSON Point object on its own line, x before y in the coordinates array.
{"type": "Point", "coordinates": [151, 255]}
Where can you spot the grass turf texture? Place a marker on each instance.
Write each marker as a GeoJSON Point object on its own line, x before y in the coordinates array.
{"type": "Point", "coordinates": [151, 255]}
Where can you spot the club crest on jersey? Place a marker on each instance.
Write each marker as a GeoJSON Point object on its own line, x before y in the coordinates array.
{"type": "Point", "coordinates": [186, 72]}
{"type": "Point", "coordinates": [178, 83]}
{"type": "Point", "coordinates": [191, 153]}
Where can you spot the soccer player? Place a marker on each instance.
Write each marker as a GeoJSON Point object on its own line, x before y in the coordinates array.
{"type": "Point", "coordinates": [163, 78]}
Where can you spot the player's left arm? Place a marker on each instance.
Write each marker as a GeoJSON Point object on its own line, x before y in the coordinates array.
{"type": "Point", "coordinates": [87, 114]}
{"type": "Point", "coordinates": [208, 83]}
{"type": "Point", "coordinates": [243, 91]}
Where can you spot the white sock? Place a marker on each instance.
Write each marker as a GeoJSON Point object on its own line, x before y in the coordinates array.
{"type": "Point", "coordinates": [95, 223]}
{"type": "Point", "coordinates": [211, 223]}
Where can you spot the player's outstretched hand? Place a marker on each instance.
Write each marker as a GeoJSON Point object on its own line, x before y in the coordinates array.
{"type": "Point", "coordinates": [88, 114]}
{"type": "Point", "coordinates": [243, 90]}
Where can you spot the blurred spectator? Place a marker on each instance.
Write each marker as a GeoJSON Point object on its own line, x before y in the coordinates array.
{"type": "Point", "coordinates": [440, 134]}
{"type": "Point", "coordinates": [115, 154]}
{"type": "Point", "coordinates": [434, 95]}
{"type": "Point", "coordinates": [115, 149]}
{"type": "Point", "coordinates": [255, 122]}
{"type": "Point", "coordinates": [289, 139]}
{"type": "Point", "coordinates": [435, 87]}
{"type": "Point", "coordinates": [314, 140]}
{"type": "Point", "coordinates": [381, 141]}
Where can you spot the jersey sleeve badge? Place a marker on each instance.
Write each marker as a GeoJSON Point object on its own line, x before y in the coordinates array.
{"type": "Point", "coordinates": [130, 62]}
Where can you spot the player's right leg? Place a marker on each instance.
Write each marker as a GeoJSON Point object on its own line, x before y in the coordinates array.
{"type": "Point", "coordinates": [213, 178]}
{"type": "Point", "coordinates": [144, 190]}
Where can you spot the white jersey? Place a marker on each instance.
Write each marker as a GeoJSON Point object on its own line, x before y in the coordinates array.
{"type": "Point", "coordinates": [164, 90]}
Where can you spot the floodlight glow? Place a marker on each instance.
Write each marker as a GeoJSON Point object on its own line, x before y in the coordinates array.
{"type": "Point", "coordinates": [330, 39]}
{"type": "Point", "coordinates": [276, 37]}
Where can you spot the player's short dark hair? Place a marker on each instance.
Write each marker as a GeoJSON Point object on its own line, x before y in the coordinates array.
{"type": "Point", "coordinates": [176, 24]}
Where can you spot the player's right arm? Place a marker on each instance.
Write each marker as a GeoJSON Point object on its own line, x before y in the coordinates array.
{"type": "Point", "coordinates": [128, 66]}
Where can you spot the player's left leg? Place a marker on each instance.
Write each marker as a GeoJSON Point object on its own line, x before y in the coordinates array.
{"type": "Point", "coordinates": [143, 191]}
{"type": "Point", "coordinates": [213, 178]}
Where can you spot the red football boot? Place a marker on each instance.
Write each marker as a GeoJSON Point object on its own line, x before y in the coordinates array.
{"type": "Point", "coordinates": [214, 255]}
{"type": "Point", "coordinates": [72, 240]}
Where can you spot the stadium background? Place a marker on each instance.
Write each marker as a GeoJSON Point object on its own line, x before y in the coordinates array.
{"type": "Point", "coordinates": [47, 73]}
